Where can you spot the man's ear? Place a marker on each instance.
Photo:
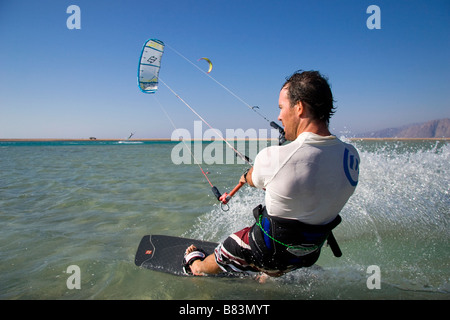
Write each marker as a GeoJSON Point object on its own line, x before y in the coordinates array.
{"type": "Point", "coordinates": [300, 109]}
{"type": "Point", "coordinates": [303, 109]}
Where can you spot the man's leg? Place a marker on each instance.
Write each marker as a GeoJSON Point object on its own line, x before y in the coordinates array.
{"type": "Point", "coordinates": [233, 255]}
{"type": "Point", "coordinates": [205, 266]}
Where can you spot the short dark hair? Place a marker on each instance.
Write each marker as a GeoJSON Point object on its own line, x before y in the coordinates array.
{"type": "Point", "coordinates": [312, 88]}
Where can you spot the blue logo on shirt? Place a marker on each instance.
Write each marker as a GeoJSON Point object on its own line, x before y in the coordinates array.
{"type": "Point", "coordinates": [351, 167]}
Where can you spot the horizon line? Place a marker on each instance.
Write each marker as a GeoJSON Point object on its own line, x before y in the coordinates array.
{"type": "Point", "coordinates": [210, 140]}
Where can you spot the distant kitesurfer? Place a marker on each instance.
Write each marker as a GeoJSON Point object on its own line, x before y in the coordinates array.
{"type": "Point", "coordinates": [307, 183]}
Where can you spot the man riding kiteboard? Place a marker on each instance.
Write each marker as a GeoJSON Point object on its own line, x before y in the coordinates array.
{"type": "Point", "coordinates": [307, 183]}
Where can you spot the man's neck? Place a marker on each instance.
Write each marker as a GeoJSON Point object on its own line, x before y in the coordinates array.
{"type": "Point", "coordinates": [316, 127]}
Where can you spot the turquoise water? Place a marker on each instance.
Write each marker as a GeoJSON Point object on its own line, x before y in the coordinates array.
{"type": "Point", "coordinates": [89, 203]}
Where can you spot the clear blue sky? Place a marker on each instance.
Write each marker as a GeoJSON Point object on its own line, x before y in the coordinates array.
{"type": "Point", "coordinates": [61, 83]}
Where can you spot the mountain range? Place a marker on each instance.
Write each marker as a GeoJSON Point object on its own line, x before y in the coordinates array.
{"type": "Point", "coordinates": [432, 129]}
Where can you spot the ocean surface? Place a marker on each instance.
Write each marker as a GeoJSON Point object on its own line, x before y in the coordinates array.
{"type": "Point", "coordinates": [88, 204]}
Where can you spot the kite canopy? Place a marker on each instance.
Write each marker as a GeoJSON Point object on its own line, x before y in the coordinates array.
{"type": "Point", "coordinates": [149, 65]}
{"type": "Point", "coordinates": [209, 62]}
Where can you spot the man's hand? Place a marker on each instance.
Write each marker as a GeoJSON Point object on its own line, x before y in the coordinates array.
{"type": "Point", "coordinates": [247, 177]}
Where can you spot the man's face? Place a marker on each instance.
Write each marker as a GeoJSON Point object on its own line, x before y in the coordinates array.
{"type": "Point", "coordinates": [288, 115]}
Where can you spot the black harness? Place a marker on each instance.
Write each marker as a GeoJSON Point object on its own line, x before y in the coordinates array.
{"type": "Point", "coordinates": [285, 244]}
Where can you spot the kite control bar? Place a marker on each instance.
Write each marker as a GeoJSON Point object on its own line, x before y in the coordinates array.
{"type": "Point", "coordinates": [219, 197]}
{"type": "Point", "coordinates": [225, 197]}
{"type": "Point", "coordinates": [216, 192]}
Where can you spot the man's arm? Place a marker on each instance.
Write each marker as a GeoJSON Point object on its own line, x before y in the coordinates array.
{"type": "Point", "coordinates": [247, 177]}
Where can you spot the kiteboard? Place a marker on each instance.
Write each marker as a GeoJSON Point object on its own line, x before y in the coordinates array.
{"type": "Point", "coordinates": [166, 253]}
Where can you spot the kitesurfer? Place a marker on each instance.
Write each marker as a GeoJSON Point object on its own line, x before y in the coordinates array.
{"type": "Point", "coordinates": [307, 183]}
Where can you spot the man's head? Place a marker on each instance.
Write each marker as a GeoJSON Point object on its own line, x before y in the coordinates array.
{"type": "Point", "coordinates": [308, 90]}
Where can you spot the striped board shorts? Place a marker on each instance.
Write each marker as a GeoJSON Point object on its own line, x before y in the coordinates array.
{"type": "Point", "coordinates": [241, 253]}
{"type": "Point", "coordinates": [235, 254]}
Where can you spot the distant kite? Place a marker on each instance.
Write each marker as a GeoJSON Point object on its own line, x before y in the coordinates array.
{"type": "Point", "coordinates": [209, 62]}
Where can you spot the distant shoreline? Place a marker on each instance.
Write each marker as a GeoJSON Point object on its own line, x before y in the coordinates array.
{"type": "Point", "coordinates": [170, 140]}
{"type": "Point", "coordinates": [74, 140]}
{"type": "Point", "coordinates": [397, 139]}
{"type": "Point", "coordinates": [55, 139]}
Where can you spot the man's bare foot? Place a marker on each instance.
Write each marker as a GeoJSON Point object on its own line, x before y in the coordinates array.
{"type": "Point", "coordinates": [193, 267]}
{"type": "Point", "coordinates": [262, 278]}
{"type": "Point", "coordinates": [205, 266]}
{"type": "Point", "coordinates": [190, 249]}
